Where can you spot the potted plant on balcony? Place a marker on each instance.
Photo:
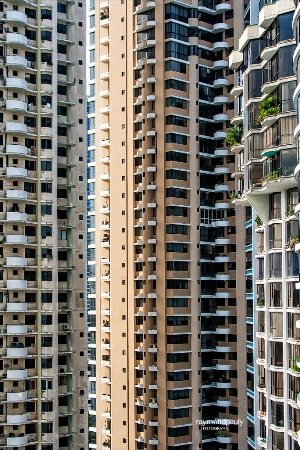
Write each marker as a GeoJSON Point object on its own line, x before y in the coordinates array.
{"type": "Point", "coordinates": [295, 368]}
{"type": "Point", "coordinates": [233, 195]}
{"type": "Point", "coordinates": [223, 437]}
{"type": "Point", "coordinates": [234, 136]}
{"type": "Point", "coordinates": [268, 108]}
{"type": "Point", "coordinates": [290, 212]}
{"type": "Point", "coordinates": [258, 221]}
{"type": "Point", "coordinates": [292, 243]}
{"type": "Point", "coordinates": [272, 175]}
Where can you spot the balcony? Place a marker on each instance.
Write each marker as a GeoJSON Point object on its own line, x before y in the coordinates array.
{"type": "Point", "coordinates": [153, 441]}
{"type": "Point", "coordinates": [18, 62]}
{"type": "Point", "coordinates": [224, 403]}
{"type": "Point", "coordinates": [223, 366]}
{"type": "Point", "coordinates": [16, 39]}
{"type": "Point", "coordinates": [16, 172]}
{"type": "Point", "coordinates": [16, 284]}
{"type": "Point", "coordinates": [251, 32]}
{"type": "Point", "coordinates": [16, 105]}
{"type": "Point", "coordinates": [235, 59]}
{"type": "Point", "coordinates": [153, 403]}
{"type": "Point", "coordinates": [17, 17]}
{"type": "Point", "coordinates": [223, 383]}
{"type": "Point", "coordinates": [15, 127]}
{"type": "Point", "coordinates": [18, 441]}
{"type": "Point", "coordinates": [223, 438]}
{"type": "Point", "coordinates": [16, 83]}
{"type": "Point", "coordinates": [16, 352]}
{"type": "Point", "coordinates": [16, 194]}
{"type": "Point", "coordinates": [16, 150]}
{"type": "Point", "coordinates": [16, 329]}
{"type": "Point", "coordinates": [16, 419]}
{"type": "Point", "coordinates": [15, 397]}
{"type": "Point", "coordinates": [16, 374]}
{"type": "Point", "coordinates": [15, 216]}
{"type": "Point", "coordinates": [17, 239]}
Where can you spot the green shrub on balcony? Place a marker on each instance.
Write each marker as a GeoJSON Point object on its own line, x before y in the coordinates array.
{"type": "Point", "coordinates": [268, 108]}
{"type": "Point", "coordinates": [272, 175]}
{"type": "Point", "coordinates": [234, 136]}
{"type": "Point", "coordinates": [258, 221]}
{"type": "Point", "coordinates": [222, 433]}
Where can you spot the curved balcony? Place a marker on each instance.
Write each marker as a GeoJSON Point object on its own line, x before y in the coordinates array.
{"type": "Point", "coordinates": [15, 127]}
{"type": "Point", "coordinates": [16, 39]}
{"type": "Point", "coordinates": [16, 150]}
{"type": "Point", "coordinates": [224, 403]}
{"type": "Point", "coordinates": [224, 439]}
{"type": "Point", "coordinates": [18, 62]}
{"type": "Point", "coordinates": [224, 384]}
{"type": "Point", "coordinates": [224, 348]}
{"type": "Point", "coordinates": [235, 59]}
{"type": "Point", "coordinates": [221, 64]}
{"type": "Point", "coordinates": [16, 172]}
{"type": "Point", "coordinates": [223, 366]}
{"type": "Point", "coordinates": [16, 194]}
{"type": "Point", "coordinates": [219, 27]}
{"type": "Point", "coordinates": [17, 17]}
{"type": "Point", "coordinates": [225, 330]}
{"type": "Point", "coordinates": [16, 105]}
{"type": "Point", "coordinates": [220, 118]}
{"type": "Point", "coordinates": [16, 83]}
{"type": "Point", "coordinates": [18, 441]}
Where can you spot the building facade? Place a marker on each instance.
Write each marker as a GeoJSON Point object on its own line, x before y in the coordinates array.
{"type": "Point", "coordinates": [163, 321]}
{"type": "Point", "coordinates": [43, 366]}
{"type": "Point", "coordinates": [266, 158]}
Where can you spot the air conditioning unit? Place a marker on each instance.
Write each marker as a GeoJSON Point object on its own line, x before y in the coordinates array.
{"type": "Point", "coordinates": [66, 326]}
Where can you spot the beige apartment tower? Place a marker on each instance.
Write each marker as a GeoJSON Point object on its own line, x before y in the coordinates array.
{"type": "Point", "coordinates": [43, 365]}
{"type": "Point", "coordinates": [162, 296]}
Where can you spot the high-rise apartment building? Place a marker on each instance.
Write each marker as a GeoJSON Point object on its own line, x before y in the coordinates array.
{"type": "Point", "coordinates": [43, 366]}
{"type": "Point", "coordinates": [266, 158]}
{"type": "Point", "coordinates": [163, 323]}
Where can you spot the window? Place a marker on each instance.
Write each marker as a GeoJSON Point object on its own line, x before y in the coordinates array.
{"type": "Point", "coordinates": [178, 394]}
{"type": "Point", "coordinates": [61, 7]}
{"type": "Point", "coordinates": [179, 431]}
{"type": "Point", "coordinates": [174, 174]}
{"type": "Point", "coordinates": [176, 12]}
{"type": "Point", "coordinates": [177, 229]}
{"type": "Point", "coordinates": [176, 193]}
{"type": "Point", "coordinates": [175, 66]}
{"type": "Point", "coordinates": [176, 84]}
{"type": "Point", "coordinates": [177, 303]}
{"type": "Point", "coordinates": [178, 211]}
{"type": "Point", "coordinates": [176, 102]}
{"type": "Point", "coordinates": [46, 14]}
{"type": "Point", "coordinates": [46, 35]}
{"type": "Point", "coordinates": [176, 31]}
{"type": "Point", "coordinates": [177, 321]}
{"type": "Point", "coordinates": [177, 265]}
{"type": "Point", "coordinates": [176, 50]}
{"type": "Point", "coordinates": [177, 284]}
{"type": "Point", "coordinates": [179, 121]}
